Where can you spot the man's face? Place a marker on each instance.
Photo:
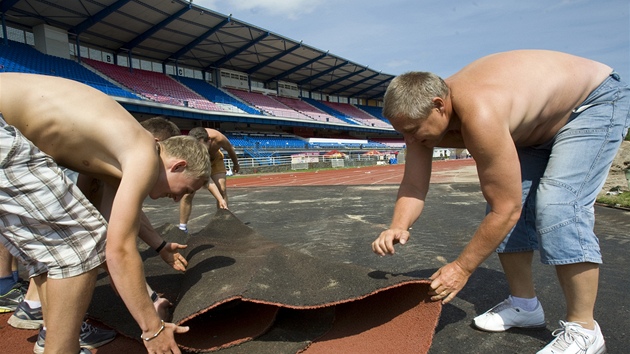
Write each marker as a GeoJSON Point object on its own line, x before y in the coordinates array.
{"type": "Point", "coordinates": [428, 132]}
{"type": "Point", "coordinates": [177, 185]}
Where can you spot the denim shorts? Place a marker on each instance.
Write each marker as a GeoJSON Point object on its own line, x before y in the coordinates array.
{"type": "Point", "coordinates": [562, 178]}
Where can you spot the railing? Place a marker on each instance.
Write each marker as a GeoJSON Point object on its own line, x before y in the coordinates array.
{"type": "Point", "coordinates": [284, 163]}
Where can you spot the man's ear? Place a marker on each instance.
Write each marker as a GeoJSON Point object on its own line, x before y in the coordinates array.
{"type": "Point", "coordinates": [179, 166]}
{"type": "Point", "coordinates": [438, 103]}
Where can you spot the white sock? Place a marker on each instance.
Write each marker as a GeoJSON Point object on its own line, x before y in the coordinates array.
{"type": "Point", "coordinates": [183, 226]}
{"type": "Point", "coordinates": [33, 304]}
{"type": "Point", "coordinates": [524, 303]}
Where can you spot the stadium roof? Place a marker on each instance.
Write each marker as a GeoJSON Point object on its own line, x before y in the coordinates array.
{"type": "Point", "coordinates": [180, 33]}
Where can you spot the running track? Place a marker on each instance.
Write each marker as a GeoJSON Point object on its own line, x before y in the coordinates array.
{"type": "Point", "coordinates": [442, 172]}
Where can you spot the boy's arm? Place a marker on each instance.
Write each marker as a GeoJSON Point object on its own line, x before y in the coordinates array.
{"type": "Point", "coordinates": [214, 190]}
{"type": "Point", "coordinates": [225, 144]}
{"type": "Point", "coordinates": [124, 262]}
{"type": "Point", "coordinates": [168, 251]}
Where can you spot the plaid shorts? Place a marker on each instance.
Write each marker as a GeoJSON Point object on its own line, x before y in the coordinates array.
{"type": "Point", "coordinates": [45, 220]}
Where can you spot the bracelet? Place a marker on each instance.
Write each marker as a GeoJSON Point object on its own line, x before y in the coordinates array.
{"type": "Point", "coordinates": [160, 247]}
{"type": "Point", "coordinates": [156, 333]}
{"type": "Point", "coordinates": [154, 296]}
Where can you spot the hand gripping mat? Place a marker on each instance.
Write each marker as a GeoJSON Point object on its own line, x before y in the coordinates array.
{"type": "Point", "coordinates": [243, 293]}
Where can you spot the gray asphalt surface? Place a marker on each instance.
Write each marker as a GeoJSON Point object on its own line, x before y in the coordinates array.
{"type": "Point", "coordinates": [338, 224]}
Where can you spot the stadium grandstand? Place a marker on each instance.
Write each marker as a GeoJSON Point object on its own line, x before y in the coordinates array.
{"type": "Point", "coordinates": [272, 96]}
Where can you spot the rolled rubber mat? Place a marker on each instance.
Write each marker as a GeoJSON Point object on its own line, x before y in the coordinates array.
{"type": "Point", "coordinates": [243, 293]}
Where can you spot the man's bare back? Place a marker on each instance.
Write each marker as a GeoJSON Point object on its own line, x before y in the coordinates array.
{"type": "Point", "coordinates": [534, 91]}
{"type": "Point", "coordinates": [58, 116]}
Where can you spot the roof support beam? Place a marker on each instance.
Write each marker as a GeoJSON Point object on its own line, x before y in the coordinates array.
{"type": "Point", "coordinates": [200, 39]}
{"type": "Point", "coordinates": [272, 59]}
{"type": "Point", "coordinates": [92, 20]}
{"type": "Point", "coordinates": [379, 96]}
{"type": "Point", "coordinates": [296, 68]}
{"type": "Point", "coordinates": [7, 4]}
{"type": "Point", "coordinates": [141, 38]}
{"type": "Point", "coordinates": [230, 56]}
{"type": "Point", "coordinates": [371, 87]}
{"type": "Point", "coordinates": [311, 78]}
{"type": "Point", "coordinates": [338, 80]}
{"type": "Point", "coordinates": [355, 84]}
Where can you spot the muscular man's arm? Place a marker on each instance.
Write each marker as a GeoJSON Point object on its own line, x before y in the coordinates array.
{"type": "Point", "coordinates": [410, 201]}
{"type": "Point", "coordinates": [488, 139]}
{"type": "Point", "coordinates": [498, 168]}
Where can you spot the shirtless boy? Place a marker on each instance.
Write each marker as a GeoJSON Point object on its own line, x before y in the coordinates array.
{"type": "Point", "coordinates": [27, 307]}
{"type": "Point", "coordinates": [52, 227]}
{"type": "Point", "coordinates": [214, 140]}
{"type": "Point", "coordinates": [543, 128]}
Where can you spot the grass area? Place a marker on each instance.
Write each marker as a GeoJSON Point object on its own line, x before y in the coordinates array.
{"type": "Point", "coordinates": [620, 200]}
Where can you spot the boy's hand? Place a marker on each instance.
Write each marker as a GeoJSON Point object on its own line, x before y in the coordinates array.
{"type": "Point", "coordinates": [171, 256]}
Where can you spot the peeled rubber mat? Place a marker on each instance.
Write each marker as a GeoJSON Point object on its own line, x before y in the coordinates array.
{"type": "Point", "coordinates": [243, 293]}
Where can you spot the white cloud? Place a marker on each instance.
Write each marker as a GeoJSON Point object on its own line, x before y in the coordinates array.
{"type": "Point", "coordinates": [396, 64]}
{"type": "Point", "coordinates": [290, 9]}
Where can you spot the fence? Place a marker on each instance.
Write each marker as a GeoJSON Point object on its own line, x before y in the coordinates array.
{"type": "Point", "coordinates": [250, 165]}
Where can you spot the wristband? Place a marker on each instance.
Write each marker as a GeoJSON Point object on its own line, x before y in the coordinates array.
{"type": "Point", "coordinates": [156, 333]}
{"type": "Point", "coordinates": [160, 247]}
{"type": "Point", "coordinates": [154, 296]}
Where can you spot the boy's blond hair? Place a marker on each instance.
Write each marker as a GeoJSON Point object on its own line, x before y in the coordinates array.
{"type": "Point", "coordinates": [188, 148]}
{"type": "Point", "coordinates": [410, 95]}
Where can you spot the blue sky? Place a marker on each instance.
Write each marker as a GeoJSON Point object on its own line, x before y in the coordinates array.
{"type": "Point", "coordinates": [396, 36]}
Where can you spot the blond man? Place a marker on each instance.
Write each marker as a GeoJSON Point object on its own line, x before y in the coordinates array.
{"type": "Point", "coordinates": [51, 226]}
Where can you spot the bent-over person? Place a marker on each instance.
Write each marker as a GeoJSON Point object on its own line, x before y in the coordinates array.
{"type": "Point", "coordinates": [50, 225]}
{"type": "Point", "coordinates": [543, 128]}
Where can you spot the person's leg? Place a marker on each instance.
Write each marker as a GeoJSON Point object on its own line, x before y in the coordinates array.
{"type": "Point", "coordinates": [579, 284]}
{"type": "Point", "coordinates": [517, 267]}
{"type": "Point", "coordinates": [218, 174]}
{"type": "Point", "coordinates": [6, 270]}
{"type": "Point", "coordinates": [220, 181]}
{"type": "Point", "coordinates": [582, 154]}
{"type": "Point", "coordinates": [45, 210]}
{"type": "Point", "coordinates": [11, 289]}
{"type": "Point", "coordinates": [28, 314]}
{"type": "Point", "coordinates": [31, 293]}
{"type": "Point", "coordinates": [40, 287]}
{"type": "Point", "coordinates": [185, 208]}
{"type": "Point", "coordinates": [521, 308]}
{"type": "Point", "coordinates": [65, 302]}
{"type": "Point", "coordinates": [517, 250]}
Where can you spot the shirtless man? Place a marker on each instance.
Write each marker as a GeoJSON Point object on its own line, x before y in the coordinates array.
{"type": "Point", "coordinates": [52, 227]}
{"type": "Point", "coordinates": [512, 111]}
{"type": "Point", "coordinates": [27, 307]}
{"type": "Point", "coordinates": [214, 141]}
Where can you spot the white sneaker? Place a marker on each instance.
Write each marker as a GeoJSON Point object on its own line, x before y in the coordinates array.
{"type": "Point", "coordinates": [505, 316]}
{"type": "Point", "coordinates": [570, 338]}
